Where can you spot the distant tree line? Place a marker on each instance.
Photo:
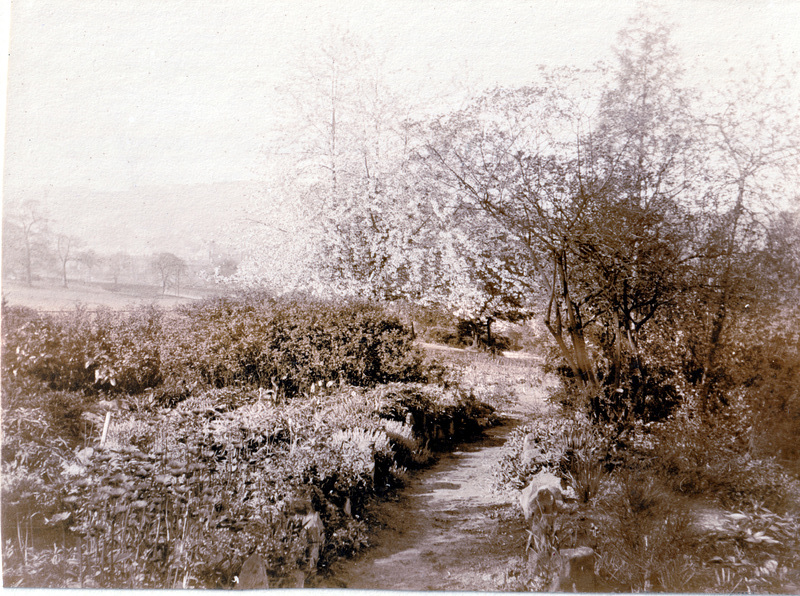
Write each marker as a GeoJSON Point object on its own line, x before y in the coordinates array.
{"type": "Point", "coordinates": [34, 250]}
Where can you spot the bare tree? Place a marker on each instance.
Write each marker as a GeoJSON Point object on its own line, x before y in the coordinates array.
{"type": "Point", "coordinates": [65, 246]}
{"type": "Point", "coordinates": [118, 263]}
{"type": "Point", "coordinates": [29, 220]}
{"type": "Point", "coordinates": [753, 159]}
{"type": "Point", "coordinates": [88, 260]}
{"type": "Point", "coordinates": [169, 268]}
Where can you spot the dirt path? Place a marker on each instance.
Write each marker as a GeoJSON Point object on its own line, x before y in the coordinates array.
{"type": "Point", "coordinates": [447, 530]}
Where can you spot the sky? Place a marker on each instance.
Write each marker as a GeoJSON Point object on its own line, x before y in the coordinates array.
{"type": "Point", "coordinates": [123, 106]}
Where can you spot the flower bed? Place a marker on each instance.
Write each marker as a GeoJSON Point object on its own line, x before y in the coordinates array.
{"type": "Point", "coordinates": [181, 497]}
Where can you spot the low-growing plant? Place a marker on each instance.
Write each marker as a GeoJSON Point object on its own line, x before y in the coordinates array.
{"type": "Point", "coordinates": [583, 462]}
{"type": "Point", "coordinates": [753, 550]}
{"type": "Point", "coordinates": [566, 445]}
{"type": "Point", "coordinates": [180, 497]}
{"type": "Point", "coordinates": [712, 455]}
{"type": "Point", "coordinates": [646, 543]}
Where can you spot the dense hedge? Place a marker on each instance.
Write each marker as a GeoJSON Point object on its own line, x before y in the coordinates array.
{"type": "Point", "coordinates": [291, 345]}
{"type": "Point", "coordinates": [83, 350]}
{"type": "Point", "coordinates": [288, 346]}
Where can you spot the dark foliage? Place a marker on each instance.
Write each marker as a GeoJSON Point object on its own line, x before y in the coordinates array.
{"type": "Point", "coordinates": [87, 351]}
{"type": "Point", "coordinates": [290, 346]}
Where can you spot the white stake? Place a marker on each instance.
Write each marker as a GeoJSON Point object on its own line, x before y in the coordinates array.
{"type": "Point", "coordinates": [105, 428]}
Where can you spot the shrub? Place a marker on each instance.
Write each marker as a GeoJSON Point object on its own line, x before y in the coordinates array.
{"type": "Point", "coordinates": [647, 397]}
{"type": "Point", "coordinates": [712, 455]}
{"type": "Point", "coordinates": [88, 351]}
{"type": "Point", "coordinates": [767, 376]}
{"type": "Point", "coordinates": [646, 540]}
{"type": "Point", "coordinates": [583, 461]}
{"type": "Point", "coordinates": [181, 497]}
{"type": "Point", "coordinates": [567, 446]}
{"type": "Point", "coordinates": [438, 416]}
{"type": "Point", "coordinates": [445, 336]}
{"type": "Point", "coordinates": [291, 345]}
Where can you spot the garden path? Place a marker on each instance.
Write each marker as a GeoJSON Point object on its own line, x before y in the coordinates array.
{"type": "Point", "coordinates": [449, 528]}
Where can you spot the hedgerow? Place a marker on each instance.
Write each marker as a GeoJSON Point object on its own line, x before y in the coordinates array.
{"type": "Point", "coordinates": [291, 345]}
{"type": "Point", "coordinates": [288, 346]}
{"type": "Point", "coordinates": [88, 351]}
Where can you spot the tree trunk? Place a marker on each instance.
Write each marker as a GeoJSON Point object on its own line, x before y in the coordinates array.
{"type": "Point", "coordinates": [575, 327]}
{"type": "Point", "coordinates": [28, 271]}
{"type": "Point", "coordinates": [721, 313]}
{"type": "Point", "coordinates": [476, 332]}
{"type": "Point", "coordinates": [576, 356]}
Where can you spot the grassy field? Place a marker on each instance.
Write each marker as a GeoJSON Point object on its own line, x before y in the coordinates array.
{"type": "Point", "coordinates": [52, 296]}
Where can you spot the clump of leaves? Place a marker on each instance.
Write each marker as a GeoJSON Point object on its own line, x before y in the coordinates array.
{"type": "Point", "coordinates": [583, 461]}
{"type": "Point", "coordinates": [755, 550]}
{"type": "Point", "coordinates": [566, 445]}
{"type": "Point", "coordinates": [646, 542]}
{"type": "Point", "coordinates": [83, 351]}
{"type": "Point", "coordinates": [712, 455]}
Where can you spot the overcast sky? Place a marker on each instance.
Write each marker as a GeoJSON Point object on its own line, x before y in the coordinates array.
{"type": "Point", "coordinates": [115, 95]}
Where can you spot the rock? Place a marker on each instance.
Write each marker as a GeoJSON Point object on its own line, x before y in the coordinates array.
{"type": "Point", "coordinates": [548, 499]}
{"type": "Point", "coordinates": [295, 579]}
{"type": "Point", "coordinates": [542, 496]}
{"type": "Point", "coordinates": [253, 575]}
{"type": "Point", "coordinates": [569, 494]}
{"type": "Point", "coordinates": [575, 571]}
